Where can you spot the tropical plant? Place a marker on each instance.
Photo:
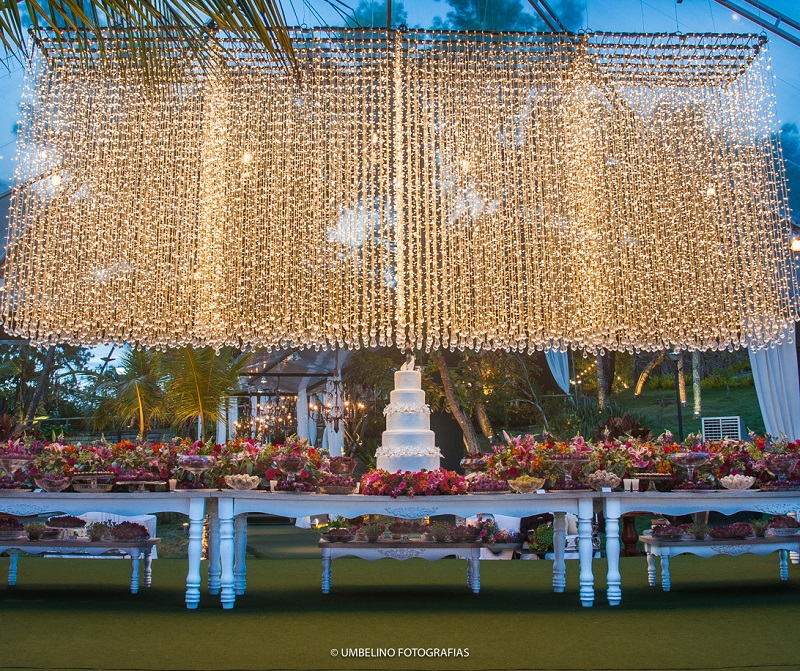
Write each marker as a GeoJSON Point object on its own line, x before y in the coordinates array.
{"type": "Point", "coordinates": [83, 25]}
{"type": "Point", "coordinates": [133, 393]}
{"type": "Point", "coordinates": [197, 382]}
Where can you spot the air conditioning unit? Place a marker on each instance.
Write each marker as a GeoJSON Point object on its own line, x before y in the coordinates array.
{"type": "Point", "coordinates": [723, 428]}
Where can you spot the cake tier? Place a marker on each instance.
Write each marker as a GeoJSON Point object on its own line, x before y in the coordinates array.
{"type": "Point", "coordinates": [408, 421]}
{"type": "Point", "coordinates": [407, 396]}
{"type": "Point", "coordinates": [408, 379]}
{"type": "Point", "coordinates": [404, 463]}
{"type": "Point", "coordinates": [420, 440]}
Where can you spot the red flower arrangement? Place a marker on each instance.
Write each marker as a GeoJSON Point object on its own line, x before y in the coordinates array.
{"type": "Point", "coordinates": [422, 483]}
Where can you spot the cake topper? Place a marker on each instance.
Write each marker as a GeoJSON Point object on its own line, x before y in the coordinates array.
{"type": "Point", "coordinates": [409, 364]}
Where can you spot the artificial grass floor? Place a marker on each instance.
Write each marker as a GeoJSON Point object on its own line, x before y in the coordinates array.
{"type": "Point", "coordinates": [723, 613]}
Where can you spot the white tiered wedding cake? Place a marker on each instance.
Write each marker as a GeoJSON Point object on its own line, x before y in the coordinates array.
{"type": "Point", "coordinates": [408, 442]}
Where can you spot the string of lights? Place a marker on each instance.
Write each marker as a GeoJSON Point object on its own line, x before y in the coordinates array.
{"type": "Point", "coordinates": [432, 189]}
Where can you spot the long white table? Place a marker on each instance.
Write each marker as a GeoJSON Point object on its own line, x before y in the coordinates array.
{"type": "Point", "coordinates": [616, 504]}
{"type": "Point", "coordinates": [233, 508]}
{"type": "Point", "coordinates": [188, 502]}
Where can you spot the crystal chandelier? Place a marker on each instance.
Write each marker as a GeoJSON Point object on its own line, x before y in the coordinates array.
{"type": "Point", "coordinates": [524, 192]}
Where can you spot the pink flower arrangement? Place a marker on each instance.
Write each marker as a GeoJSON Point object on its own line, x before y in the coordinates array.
{"type": "Point", "coordinates": [421, 483]}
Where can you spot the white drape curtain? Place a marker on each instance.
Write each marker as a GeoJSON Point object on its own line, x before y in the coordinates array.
{"type": "Point", "coordinates": [301, 413]}
{"type": "Point", "coordinates": [559, 367]}
{"type": "Point", "coordinates": [778, 388]}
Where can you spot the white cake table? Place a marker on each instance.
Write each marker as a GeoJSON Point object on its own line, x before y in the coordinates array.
{"type": "Point", "coordinates": [664, 549]}
{"type": "Point", "coordinates": [237, 504]}
{"type": "Point", "coordinates": [403, 550]}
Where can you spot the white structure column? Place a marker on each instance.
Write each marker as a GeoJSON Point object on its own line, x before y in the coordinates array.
{"type": "Point", "coordinates": [233, 416]}
{"type": "Point", "coordinates": [301, 413]}
{"type": "Point", "coordinates": [253, 411]}
{"type": "Point", "coordinates": [222, 422]}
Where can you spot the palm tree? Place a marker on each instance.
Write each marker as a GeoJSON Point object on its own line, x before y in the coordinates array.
{"type": "Point", "coordinates": [135, 394]}
{"type": "Point", "coordinates": [198, 380]}
{"type": "Point", "coordinates": [81, 23]}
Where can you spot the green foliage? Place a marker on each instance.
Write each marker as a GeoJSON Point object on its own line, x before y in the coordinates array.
{"type": "Point", "coordinates": [583, 417]}
{"type": "Point", "coordinates": [198, 380]}
{"type": "Point", "coordinates": [134, 396]}
{"type": "Point", "coordinates": [490, 15]}
{"type": "Point", "coordinates": [666, 380]}
{"type": "Point", "coordinates": [65, 393]}
{"type": "Point", "coordinates": [369, 13]}
{"type": "Point", "coordinates": [35, 530]}
{"type": "Point", "coordinates": [540, 539]}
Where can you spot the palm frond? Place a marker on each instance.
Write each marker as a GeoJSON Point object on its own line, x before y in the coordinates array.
{"type": "Point", "coordinates": [198, 380]}
{"type": "Point", "coordinates": [136, 395]}
{"type": "Point", "coordinates": [144, 31]}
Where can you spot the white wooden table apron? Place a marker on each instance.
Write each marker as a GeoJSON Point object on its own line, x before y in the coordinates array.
{"type": "Point", "coordinates": [234, 506]}
{"type": "Point", "coordinates": [710, 547]}
{"type": "Point", "coordinates": [187, 502]}
{"type": "Point", "coordinates": [617, 504]}
{"type": "Point", "coordinates": [401, 551]}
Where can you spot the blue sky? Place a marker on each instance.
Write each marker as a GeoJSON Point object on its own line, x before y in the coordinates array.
{"type": "Point", "coordinates": [590, 15]}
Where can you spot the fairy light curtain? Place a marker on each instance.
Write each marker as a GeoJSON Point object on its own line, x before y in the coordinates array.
{"type": "Point", "coordinates": [427, 189]}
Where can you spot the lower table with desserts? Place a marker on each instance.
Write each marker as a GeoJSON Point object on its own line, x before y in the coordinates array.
{"type": "Point", "coordinates": [187, 502]}
{"type": "Point", "coordinates": [709, 547]}
{"type": "Point", "coordinates": [138, 551]}
{"type": "Point", "coordinates": [227, 566]}
{"type": "Point", "coordinates": [729, 502]}
{"type": "Point", "coordinates": [402, 550]}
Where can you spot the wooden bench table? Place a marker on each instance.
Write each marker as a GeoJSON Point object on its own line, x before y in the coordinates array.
{"type": "Point", "coordinates": [403, 550]}
{"type": "Point", "coordinates": [77, 548]}
{"type": "Point", "coordinates": [658, 547]}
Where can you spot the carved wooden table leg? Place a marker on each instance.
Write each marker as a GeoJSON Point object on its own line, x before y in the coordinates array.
{"type": "Point", "coordinates": [629, 536]}
{"type": "Point", "coordinates": [135, 559]}
{"type": "Point", "coordinates": [148, 568]}
{"type": "Point", "coordinates": [665, 581]}
{"type": "Point", "coordinates": [12, 568]}
{"type": "Point", "coordinates": [240, 549]}
{"type": "Point", "coordinates": [476, 574]}
{"type": "Point", "coordinates": [326, 571]}
{"type": "Point", "coordinates": [651, 569]}
{"type": "Point", "coordinates": [214, 570]}
{"type": "Point", "coordinates": [196, 513]}
{"type": "Point", "coordinates": [784, 564]}
{"type": "Point", "coordinates": [559, 540]}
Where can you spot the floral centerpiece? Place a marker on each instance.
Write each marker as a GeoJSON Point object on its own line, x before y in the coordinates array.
{"type": "Point", "coordinates": [735, 531]}
{"type": "Point", "coordinates": [15, 454]}
{"type": "Point", "coordinates": [439, 531]}
{"type": "Point", "coordinates": [669, 532]}
{"type": "Point", "coordinates": [421, 483]}
{"type": "Point", "coordinates": [129, 531]}
{"type": "Point", "coordinates": [464, 533]}
{"type": "Point", "coordinates": [783, 525]}
{"type": "Point", "coordinates": [66, 522]}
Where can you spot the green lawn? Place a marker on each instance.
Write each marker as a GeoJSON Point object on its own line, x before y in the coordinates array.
{"type": "Point", "coordinates": [659, 409]}
{"type": "Point", "coordinates": [723, 613]}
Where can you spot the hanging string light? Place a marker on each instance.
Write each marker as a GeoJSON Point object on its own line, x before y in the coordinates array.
{"type": "Point", "coordinates": [434, 189]}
